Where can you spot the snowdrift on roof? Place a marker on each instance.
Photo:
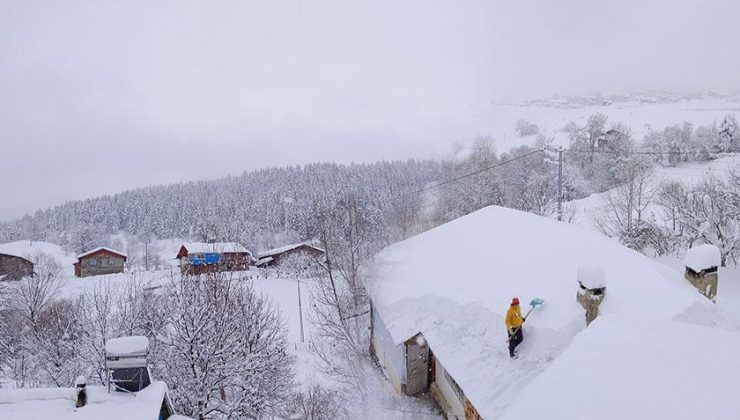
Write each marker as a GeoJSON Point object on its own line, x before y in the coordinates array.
{"type": "Point", "coordinates": [59, 403]}
{"type": "Point", "coordinates": [627, 368]}
{"type": "Point", "coordinates": [202, 247]}
{"type": "Point", "coordinates": [703, 257]}
{"type": "Point", "coordinates": [495, 253]}
{"type": "Point", "coordinates": [125, 346]}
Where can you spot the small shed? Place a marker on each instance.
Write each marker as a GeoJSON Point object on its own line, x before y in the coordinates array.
{"type": "Point", "coordinates": [702, 263]}
{"type": "Point", "coordinates": [288, 254]}
{"type": "Point", "coordinates": [14, 267]}
{"type": "Point", "coordinates": [100, 261]}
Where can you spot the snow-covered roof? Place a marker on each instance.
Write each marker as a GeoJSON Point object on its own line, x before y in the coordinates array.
{"type": "Point", "coordinates": [59, 403]}
{"type": "Point", "coordinates": [628, 368]}
{"type": "Point", "coordinates": [702, 257]}
{"type": "Point", "coordinates": [591, 276]}
{"type": "Point", "coordinates": [263, 261]}
{"type": "Point", "coordinates": [101, 248]}
{"type": "Point", "coordinates": [26, 249]}
{"type": "Point", "coordinates": [125, 346]}
{"type": "Point", "coordinates": [285, 248]}
{"type": "Point", "coordinates": [501, 253]}
{"type": "Point", "coordinates": [203, 247]}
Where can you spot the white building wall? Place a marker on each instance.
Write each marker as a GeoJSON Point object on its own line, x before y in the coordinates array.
{"type": "Point", "coordinates": [392, 357]}
{"type": "Point", "coordinates": [452, 394]}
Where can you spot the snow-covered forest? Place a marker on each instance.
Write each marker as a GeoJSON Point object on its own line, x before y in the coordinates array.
{"type": "Point", "coordinates": [400, 198]}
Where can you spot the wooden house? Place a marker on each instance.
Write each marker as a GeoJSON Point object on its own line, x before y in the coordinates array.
{"type": "Point", "coordinates": [201, 257]}
{"type": "Point", "coordinates": [14, 267]}
{"type": "Point", "coordinates": [282, 255]}
{"type": "Point", "coordinates": [100, 261]}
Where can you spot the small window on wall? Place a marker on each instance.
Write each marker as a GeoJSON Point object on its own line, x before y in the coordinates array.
{"type": "Point", "coordinates": [93, 261]}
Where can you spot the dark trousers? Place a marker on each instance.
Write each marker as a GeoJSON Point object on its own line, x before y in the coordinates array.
{"type": "Point", "coordinates": [515, 340]}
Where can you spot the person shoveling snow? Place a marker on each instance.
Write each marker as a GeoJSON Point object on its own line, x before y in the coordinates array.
{"type": "Point", "coordinates": [514, 321]}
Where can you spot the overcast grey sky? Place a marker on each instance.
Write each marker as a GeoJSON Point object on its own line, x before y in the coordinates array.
{"type": "Point", "coordinates": [100, 96]}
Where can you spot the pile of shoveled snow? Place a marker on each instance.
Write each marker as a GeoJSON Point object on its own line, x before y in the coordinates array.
{"type": "Point", "coordinates": [625, 367]}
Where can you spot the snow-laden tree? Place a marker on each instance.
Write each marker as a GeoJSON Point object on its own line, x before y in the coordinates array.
{"type": "Point", "coordinates": [55, 344]}
{"type": "Point", "coordinates": [729, 134]}
{"type": "Point", "coordinates": [705, 214]}
{"type": "Point", "coordinates": [223, 350]}
{"type": "Point", "coordinates": [97, 310]}
{"type": "Point", "coordinates": [33, 293]}
{"type": "Point", "coordinates": [584, 141]}
{"type": "Point", "coordinates": [624, 212]}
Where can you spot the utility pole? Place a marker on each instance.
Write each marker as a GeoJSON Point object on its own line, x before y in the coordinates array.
{"type": "Point", "coordinates": [560, 183]}
{"type": "Point", "coordinates": [559, 149]}
{"type": "Point", "coordinates": [300, 309]}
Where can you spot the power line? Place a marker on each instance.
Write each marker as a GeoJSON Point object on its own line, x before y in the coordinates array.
{"type": "Point", "coordinates": [480, 171]}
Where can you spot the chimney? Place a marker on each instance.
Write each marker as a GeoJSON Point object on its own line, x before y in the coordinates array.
{"type": "Point", "coordinates": [591, 290]}
{"type": "Point", "coordinates": [701, 264]}
{"type": "Point", "coordinates": [81, 388]}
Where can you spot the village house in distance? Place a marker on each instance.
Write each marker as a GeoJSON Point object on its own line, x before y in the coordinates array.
{"type": "Point", "coordinates": [278, 256]}
{"type": "Point", "coordinates": [100, 261]}
{"type": "Point", "coordinates": [14, 267]}
{"type": "Point", "coordinates": [202, 257]}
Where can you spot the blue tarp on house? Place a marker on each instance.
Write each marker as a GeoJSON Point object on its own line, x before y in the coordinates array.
{"type": "Point", "coordinates": [208, 258]}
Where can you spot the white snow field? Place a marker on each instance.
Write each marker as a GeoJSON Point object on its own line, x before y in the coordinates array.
{"type": "Point", "coordinates": [499, 253]}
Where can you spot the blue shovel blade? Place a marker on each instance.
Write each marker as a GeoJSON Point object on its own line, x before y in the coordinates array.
{"type": "Point", "coordinates": [536, 302]}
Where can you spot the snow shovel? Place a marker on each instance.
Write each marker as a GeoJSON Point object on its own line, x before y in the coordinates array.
{"type": "Point", "coordinates": [533, 303]}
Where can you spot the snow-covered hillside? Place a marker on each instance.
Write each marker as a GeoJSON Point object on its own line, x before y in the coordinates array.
{"type": "Point", "coordinates": [585, 210]}
{"type": "Point", "coordinates": [639, 113]}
